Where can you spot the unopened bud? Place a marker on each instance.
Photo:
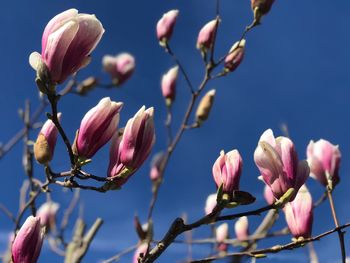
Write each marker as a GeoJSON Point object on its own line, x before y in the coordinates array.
{"type": "Point", "coordinates": [47, 214]}
{"type": "Point", "coordinates": [260, 8]}
{"type": "Point", "coordinates": [87, 85]}
{"type": "Point", "coordinates": [156, 166]}
{"type": "Point", "coordinates": [165, 26]}
{"type": "Point", "coordinates": [120, 67]}
{"type": "Point", "coordinates": [221, 235]}
{"type": "Point", "coordinates": [241, 228]}
{"type": "Point", "coordinates": [27, 245]}
{"type": "Point", "coordinates": [235, 56]}
{"type": "Point", "coordinates": [206, 35]}
{"type": "Point", "coordinates": [45, 144]}
{"type": "Point", "coordinates": [205, 106]}
{"type": "Point", "coordinates": [210, 203]}
{"type": "Point", "coordinates": [169, 85]}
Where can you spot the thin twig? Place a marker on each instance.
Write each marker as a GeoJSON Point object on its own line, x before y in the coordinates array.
{"type": "Point", "coordinates": [28, 204]}
{"type": "Point", "coordinates": [53, 99]}
{"type": "Point", "coordinates": [118, 256]}
{"type": "Point", "coordinates": [27, 153]}
{"type": "Point", "coordinates": [312, 253]}
{"type": "Point", "coordinates": [19, 135]}
{"type": "Point", "coordinates": [177, 61]}
{"type": "Point", "coordinates": [274, 249]}
{"type": "Point", "coordinates": [340, 233]}
{"type": "Point", "coordinates": [7, 213]}
{"type": "Point", "coordinates": [67, 213]}
{"type": "Point", "coordinates": [321, 199]}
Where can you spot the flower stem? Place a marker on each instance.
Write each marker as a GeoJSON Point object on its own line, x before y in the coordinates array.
{"type": "Point", "coordinates": [340, 233]}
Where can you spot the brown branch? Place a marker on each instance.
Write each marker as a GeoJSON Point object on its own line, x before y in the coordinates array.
{"type": "Point", "coordinates": [27, 159]}
{"type": "Point", "coordinates": [80, 243]}
{"type": "Point", "coordinates": [275, 249]}
{"type": "Point", "coordinates": [53, 99]}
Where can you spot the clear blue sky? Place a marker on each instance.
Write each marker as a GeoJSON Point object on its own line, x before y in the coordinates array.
{"type": "Point", "coordinates": [295, 71]}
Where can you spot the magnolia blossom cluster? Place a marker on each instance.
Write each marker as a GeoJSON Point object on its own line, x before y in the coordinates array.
{"type": "Point", "coordinates": [130, 146]}
{"type": "Point", "coordinates": [284, 176]}
{"type": "Point", "coordinates": [205, 41]}
{"type": "Point", "coordinates": [67, 42]}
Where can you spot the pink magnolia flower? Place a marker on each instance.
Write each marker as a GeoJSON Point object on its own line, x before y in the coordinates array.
{"type": "Point", "coordinates": [120, 67]}
{"type": "Point", "coordinates": [165, 26]}
{"type": "Point", "coordinates": [155, 173]}
{"type": "Point", "coordinates": [241, 228]}
{"type": "Point", "coordinates": [141, 249]}
{"type": "Point", "coordinates": [169, 84]}
{"type": "Point", "coordinates": [299, 214]}
{"type": "Point", "coordinates": [221, 236]}
{"type": "Point", "coordinates": [268, 195]}
{"type": "Point", "coordinates": [264, 6]}
{"type": "Point", "coordinates": [278, 163]}
{"type": "Point", "coordinates": [97, 127]}
{"type": "Point", "coordinates": [130, 150]}
{"type": "Point", "coordinates": [210, 204]}
{"type": "Point", "coordinates": [324, 160]}
{"type": "Point", "coordinates": [206, 35]}
{"type": "Point", "coordinates": [67, 41]}
{"type": "Point", "coordinates": [227, 171]}
{"type": "Point", "coordinates": [47, 214]}
{"type": "Point", "coordinates": [44, 146]}
{"type": "Point", "coordinates": [28, 242]}
{"type": "Point", "coordinates": [235, 56]}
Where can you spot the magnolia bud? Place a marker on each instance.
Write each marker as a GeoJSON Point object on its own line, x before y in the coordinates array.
{"type": "Point", "coordinates": [227, 171]}
{"type": "Point", "coordinates": [130, 150]}
{"type": "Point", "coordinates": [45, 143]}
{"type": "Point", "coordinates": [210, 204]}
{"type": "Point", "coordinates": [241, 228]}
{"type": "Point", "coordinates": [87, 85]}
{"type": "Point", "coordinates": [165, 26]}
{"type": "Point", "coordinates": [97, 128]}
{"type": "Point", "coordinates": [324, 160]}
{"type": "Point", "coordinates": [47, 214]}
{"type": "Point", "coordinates": [120, 67]}
{"type": "Point", "coordinates": [205, 106]}
{"type": "Point", "coordinates": [206, 35]}
{"type": "Point", "coordinates": [169, 85]}
{"type": "Point", "coordinates": [299, 214]}
{"type": "Point", "coordinates": [157, 161]}
{"type": "Point", "coordinates": [67, 42]}
{"type": "Point", "coordinates": [235, 56]}
{"type": "Point", "coordinates": [28, 242]}
{"type": "Point", "coordinates": [221, 236]}
{"type": "Point", "coordinates": [260, 8]}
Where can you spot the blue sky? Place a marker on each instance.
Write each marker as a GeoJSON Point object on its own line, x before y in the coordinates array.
{"type": "Point", "coordinates": [295, 71]}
